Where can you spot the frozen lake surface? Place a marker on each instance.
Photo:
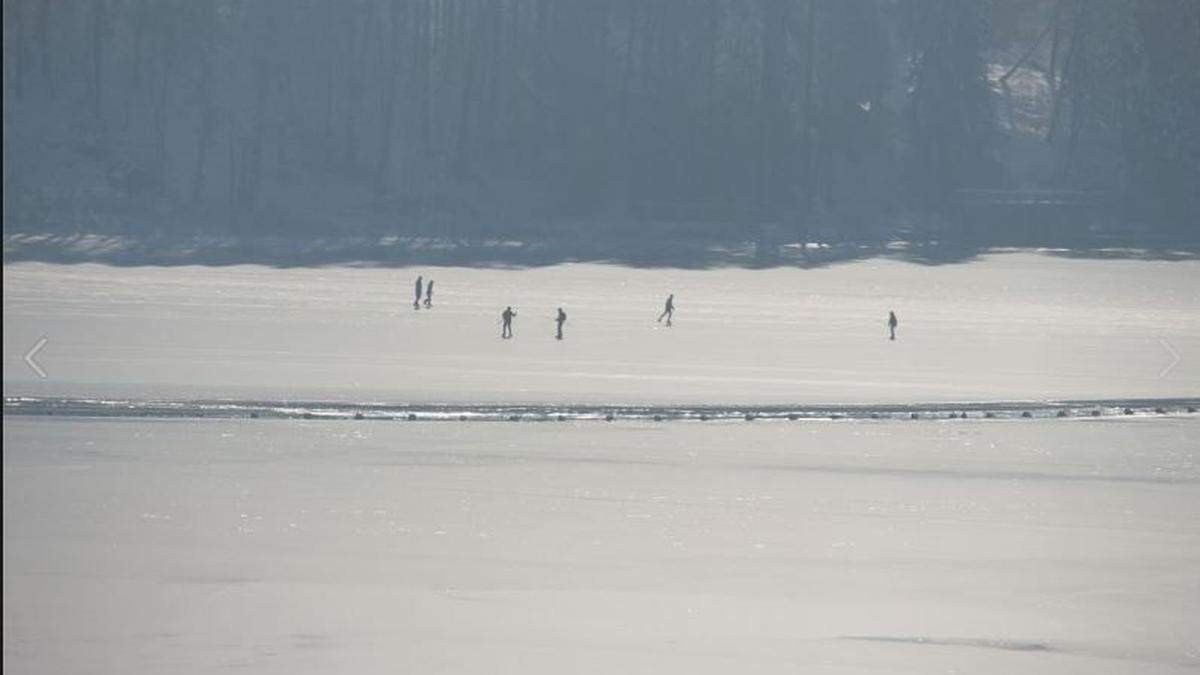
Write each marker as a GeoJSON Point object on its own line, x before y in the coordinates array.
{"type": "Point", "coordinates": [155, 542]}
{"type": "Point", "coordinates": [1011, 326]}
{"type": "Point", "coordinates": [311, 546]}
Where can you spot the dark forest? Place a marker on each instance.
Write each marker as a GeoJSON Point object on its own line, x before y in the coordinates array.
{"type": "Point", "coordinates": [520, 117]}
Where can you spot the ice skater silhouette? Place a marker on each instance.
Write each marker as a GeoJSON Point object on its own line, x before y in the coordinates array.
{"type": "Point", "coordinates": [428, 294]}
{"type": "Point", "coordinates": [560, 320]}
{"type": "Point", "coordinates": [668, 310]}
{"type": "Point", "coordinates": [892, 322]}
{"type": "Point", "coordinates": [506, 318]}
{"type": "Point", "coordinates": [417, 300]}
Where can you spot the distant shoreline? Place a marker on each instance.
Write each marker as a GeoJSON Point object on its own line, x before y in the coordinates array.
{"type": "Point", "coordinates": [655, 250]}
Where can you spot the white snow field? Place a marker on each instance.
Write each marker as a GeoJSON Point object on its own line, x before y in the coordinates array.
{"type": "Point", "coordinates": [291, 546]}
{"type": "Point", "coordinates": [1011, 326]}
{"type": "Point", "coordinates": [178, 545]}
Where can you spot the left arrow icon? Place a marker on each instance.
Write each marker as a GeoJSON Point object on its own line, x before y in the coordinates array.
{"type": "Point", "coordinates": [29, 356]}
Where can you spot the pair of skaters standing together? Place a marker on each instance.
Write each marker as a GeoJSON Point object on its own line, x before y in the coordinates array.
{"type": "Point", "coordinates": [428, 294]}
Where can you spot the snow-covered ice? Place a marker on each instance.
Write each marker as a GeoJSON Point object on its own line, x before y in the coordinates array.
{"type": "Point", "coordinates": [136, 544]}
{"type": "Point", "coordinates": [292, 546]}
{"type": "Point", "coordinates": [1005, 326]}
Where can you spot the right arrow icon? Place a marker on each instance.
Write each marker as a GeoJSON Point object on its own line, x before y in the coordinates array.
{"type": "Point", "coordinates": [1175, 358]}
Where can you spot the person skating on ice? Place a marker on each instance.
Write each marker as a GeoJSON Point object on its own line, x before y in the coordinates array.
{"type": "Point", "coordinates": [668, 310]}
{"type": "Point", "coordinates": [506, 318]}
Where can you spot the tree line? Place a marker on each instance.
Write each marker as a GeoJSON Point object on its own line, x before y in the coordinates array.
{"type": "Point", "coordinates": [464, 116]}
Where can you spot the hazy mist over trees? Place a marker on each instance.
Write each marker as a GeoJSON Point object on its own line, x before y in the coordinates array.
{"type": "Point", "coordinates": [479, 117]}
